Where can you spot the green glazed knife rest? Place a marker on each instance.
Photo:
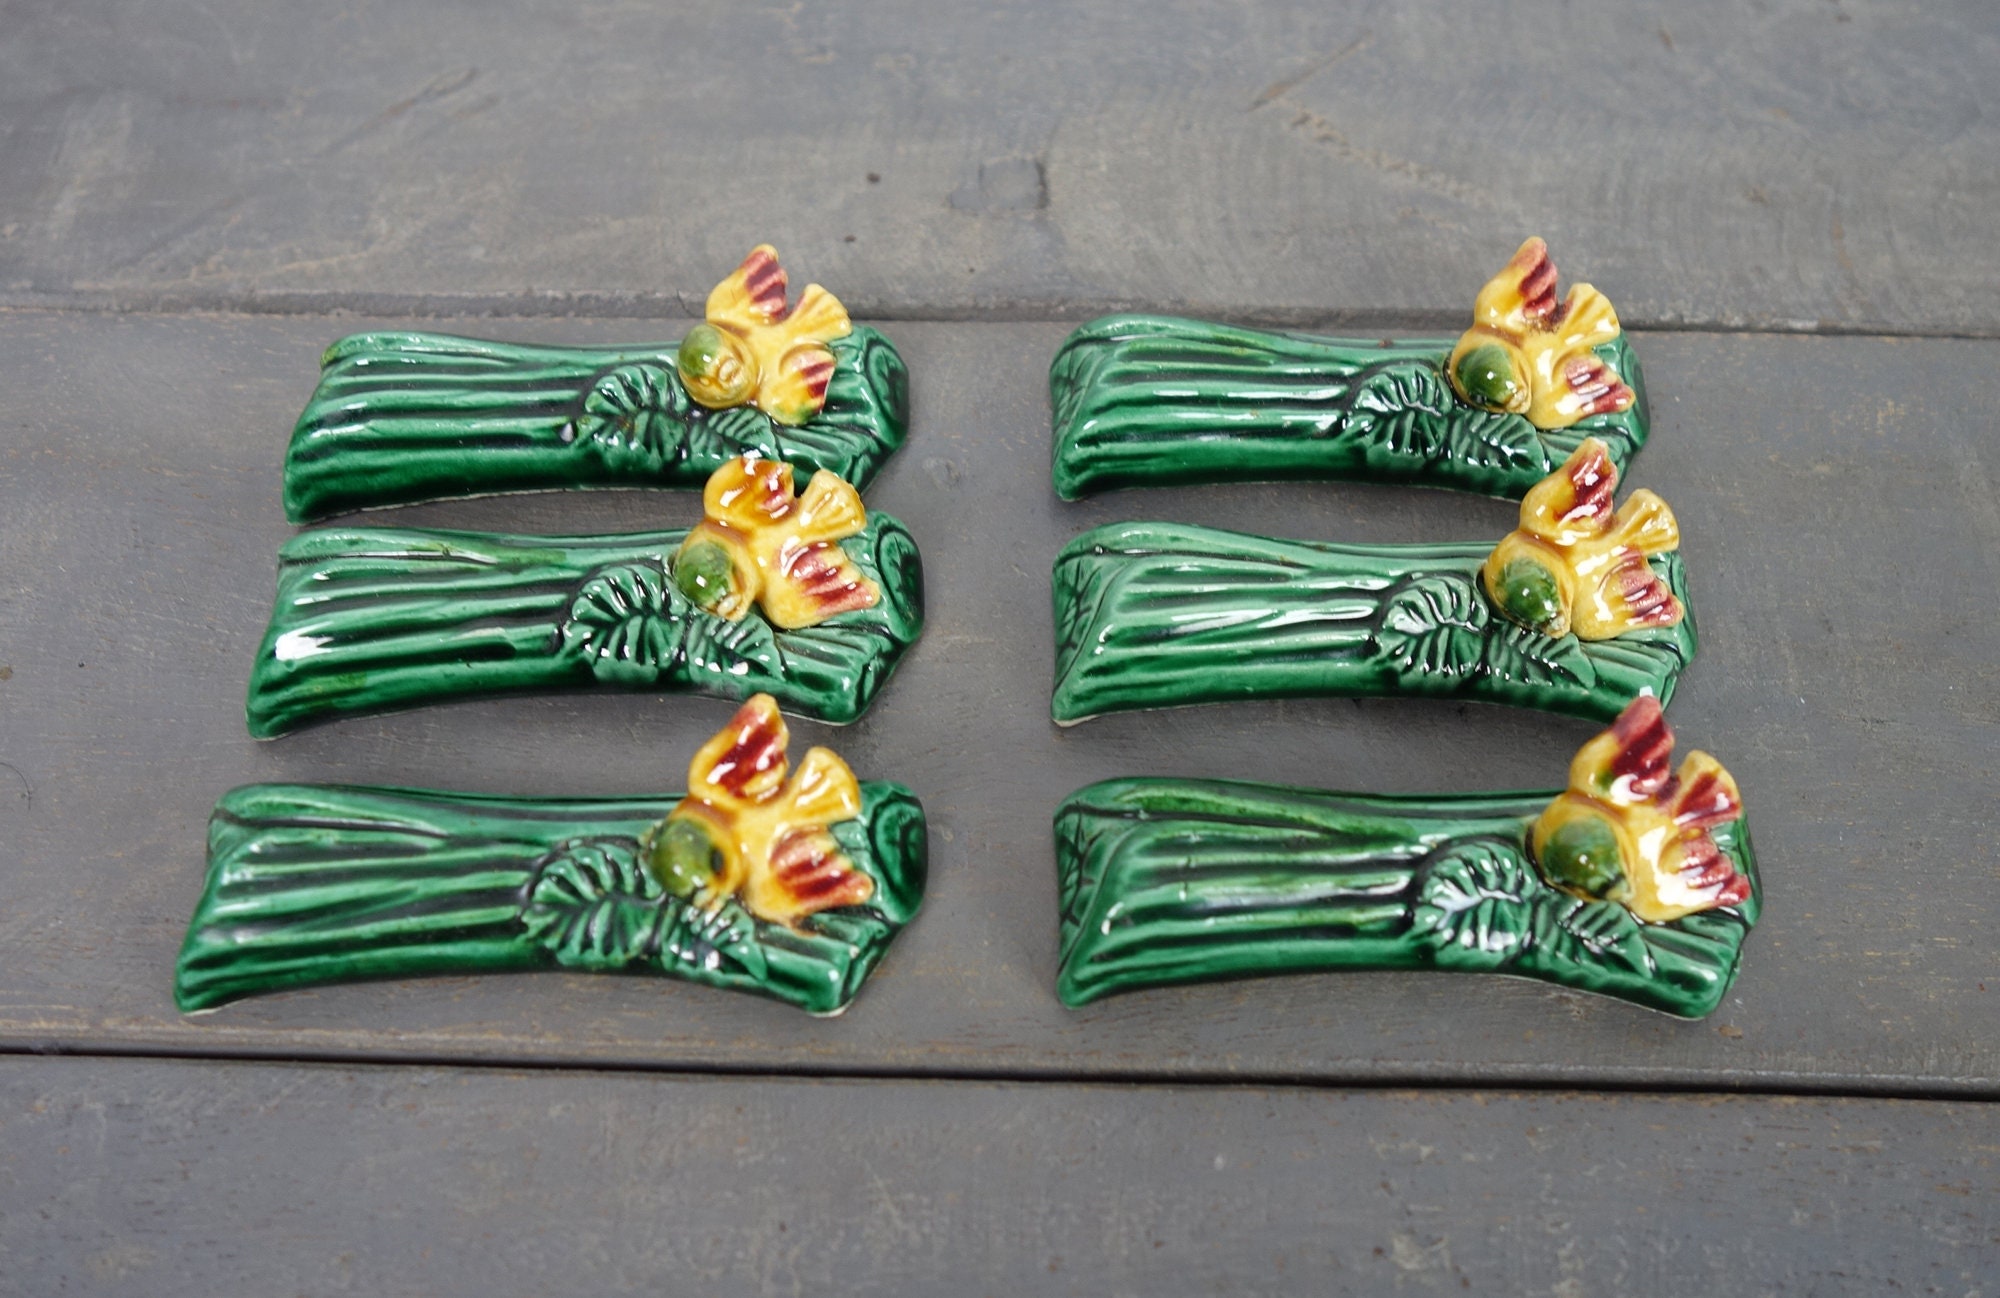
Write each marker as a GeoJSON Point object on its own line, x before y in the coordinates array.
{"type": "Point", "coordinates": [1155, 401]}
{"type": "Point", "coordinates": [313, 884]}
{"type": "Point", "coordinates": [376, 619]}
{"type": "Point", "coordinates": [1175, 881]}
{"type": "Point", "coordinates": [1154, 615]}
{"type": "Point", "coordinates": [401, 416]}
{"type": "Point", "coordinates": [1142, 400]}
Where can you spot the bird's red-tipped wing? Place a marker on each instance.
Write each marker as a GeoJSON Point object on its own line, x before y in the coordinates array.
{"type": "Point", "coordinates": [1641, 597]}
{"type": "Point", "coordinates": [1705, 795]}
{"type": "Point", "coordinates": [1643, 746]}
{"type": "Point", "coordinates": [1576, 501]}
{"type": "Point", "coordinates": [1535, 276]}
{"type": "Point", "coordinates": [754, 293]}
{"type": "Point", "coordinates": [745, 761]}
{"type": "Point", "coordinates": [748, 492]}
{"type": "Point", "coordinates": [797, 391]}
{"type": "Point", "coordinates": [1705, 868]}
{"type": "Point", "coordinates": [1596, 386]}
{"type": "Point", "coordinates": [808, 873]}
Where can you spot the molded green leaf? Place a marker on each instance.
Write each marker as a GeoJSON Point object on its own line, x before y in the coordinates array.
{"type": "Point", "coordinates": [592, 905]}
{"type": "Point", "coordinates": [1473, 909]}
{"type": "Point", "coordinates": [1410, 409]}
{"type": "Point", "coordinates": [635, 414]}
{"type": "Point", "coordinates": [640, 416]}
{"type": "Point", "coordinates": [715, 645]}
{"type": "Point", "coordinates": [629, 623]}
{"type": "Point", "coordinates": [1435, 624]}
{"type": "Point", "coordinates": [726, 434]}
{"type": "Point", "coordinates": [1515, 653]}
{"type": "Point", "coordinates": [1574, 931]}
{"type": "Point", "coordinates": [695, 938]}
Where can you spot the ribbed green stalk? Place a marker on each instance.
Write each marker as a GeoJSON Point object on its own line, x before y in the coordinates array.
{"type": "Point", "coordinates": [1148, 401]}
{"type": "Point", "coordinates": [316, 884]}
{"type": "Point", "coordinates": [1176, 881]}
{"type": "Point", "coordinates": [375, 619]}
{"type": "Point", "coordinates": [400, 417]}
{"type": "Point", "coordinates": [1155, 615]}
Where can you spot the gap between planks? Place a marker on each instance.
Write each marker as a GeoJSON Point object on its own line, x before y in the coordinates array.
{"type": "Point", "coordinates": [674, 306]}
{"type": "Point", "coordinates": [1765, 1086]}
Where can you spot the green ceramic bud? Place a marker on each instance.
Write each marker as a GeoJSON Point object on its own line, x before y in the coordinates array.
{"type": "Point", "coordinates": [1486, 376]}
{"type": "Point", "coordinates": [1582, 856]}
{"type": "Point", "coordinates": [705, 574]}
{"type": "Point", "coordinates": [701, 349]}
{"type": "Point", "coordinates": [1527, 592]}
{"type": "Point", "coordinates": [682, 858]}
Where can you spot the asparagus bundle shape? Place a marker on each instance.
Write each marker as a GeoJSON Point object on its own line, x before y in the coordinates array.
{"type": "Point", "coordinates": [401, 417]}
{"type": "Point", "coordinates": [1152, 615]}
{"type": "Point", "coordinates": [375, 619]}
{"type": "Point", "coordinates": [1153, 401]}
{"type": "Point", "coordinates": [316, 884]}
{"type": "Point", "coordinates": [1174, 881]}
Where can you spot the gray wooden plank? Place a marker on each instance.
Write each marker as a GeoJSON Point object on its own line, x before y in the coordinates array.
{"type": "Point", "coordinates": [162, 1178]}
{"type": "Point", "coordinates": [1843, 537]}
{"type": "Point", "coordinates": [1793, 163]}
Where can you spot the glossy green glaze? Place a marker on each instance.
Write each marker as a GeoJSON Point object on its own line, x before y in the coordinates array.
{"type": "Point", "coordinates": [315, 884]}
{"type": "Point", "coordinates": [376, 619]}
{"type": "Point", "coordinates": [1149, 401]}
{"type": "Point", "coordinates": [1176, 881]}
{"type": "Point", "coordinates": [1156, 615]}
{"type": "Point", "coordinates": [400, 417]}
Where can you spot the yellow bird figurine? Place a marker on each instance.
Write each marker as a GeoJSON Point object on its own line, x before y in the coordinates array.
{"type": "Point", "coordinates": [759, 544]}
{"type": "Point", "coordinates": [754, 349]}
{"type": "Point", "coordinates": [751, 830]}
{"type": "Point", "coordinates": [1529, 354]}
{"type": "Point", "coordinates": [1575, 565]}
{"type": "Point", "coordinates": [1630, 830]}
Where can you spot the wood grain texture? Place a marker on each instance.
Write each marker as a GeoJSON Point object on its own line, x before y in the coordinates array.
{"type": "Point", "coordinates": [162, 1179]}
{"type": "Point", "coordinates": [1841, 519]}
{"type": "Point", "coordinates": [1790, 164]}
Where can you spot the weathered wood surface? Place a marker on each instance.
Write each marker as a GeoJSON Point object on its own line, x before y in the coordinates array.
{"type": "Point", "coordinates": [1842, 537]}
{"type": "Point", "coordinates": [168, 1178]}
{"type": "Point", "coordinates": [1815, 165]}
{"type": "Point", "coordinates": [1793, 163]}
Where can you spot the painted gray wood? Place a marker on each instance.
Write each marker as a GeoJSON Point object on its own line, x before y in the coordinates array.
{"type": "Point", "coordinates": [1796, 163]}
{"type": "Point", "coordinates": [164, 1178]}
{"type": "Point", "coordinates": [1843, 541]}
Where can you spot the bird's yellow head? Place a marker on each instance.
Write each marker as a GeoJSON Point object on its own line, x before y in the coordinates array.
{"type": "Point", "coordinates": [717, 368]}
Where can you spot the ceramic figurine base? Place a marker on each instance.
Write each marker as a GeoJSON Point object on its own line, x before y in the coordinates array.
{"type": "Point", "coordinates": [1177, 881]}
{"type": "Point", "coordinates": [1153, 401]}
{"type": "Point", "coordinates": [401, 417]}
{"type": "Point", "coordinates": [377, 619]}
{"type": "Point", "coordinates": [309, 885]}
{"type": "Point", "coordinates": [1156, 615]}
